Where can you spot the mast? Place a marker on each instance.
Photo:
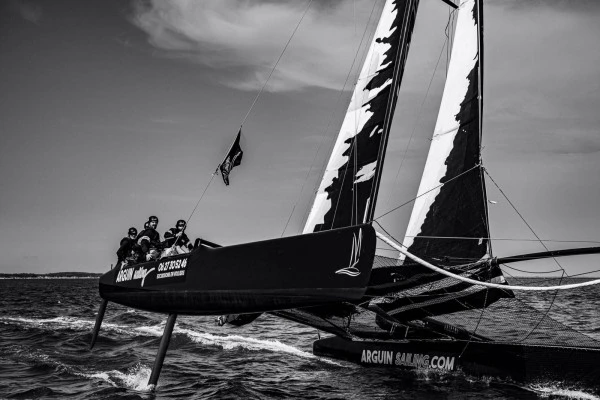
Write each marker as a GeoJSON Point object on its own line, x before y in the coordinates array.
{"type": "Point", "coordinates": [348, 190]}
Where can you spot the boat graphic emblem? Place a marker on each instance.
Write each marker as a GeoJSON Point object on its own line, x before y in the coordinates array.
{"type": "Point", "coordinates": [351, 269]}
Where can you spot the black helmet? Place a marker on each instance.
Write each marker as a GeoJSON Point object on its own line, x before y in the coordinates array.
{"type": "Point", "coordinates": [153, 218]}
{"type": "Point", "coordinates": [181, 223]}
{"type": "Point", "coordinates": [132, 231]}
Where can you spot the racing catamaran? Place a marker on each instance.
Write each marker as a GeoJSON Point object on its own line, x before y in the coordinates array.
{"type": "Point", "coordinates": [443, 304]}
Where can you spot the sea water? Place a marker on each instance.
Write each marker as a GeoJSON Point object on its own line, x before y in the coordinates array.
{"type": "Point", "coordinates": [45, 331]}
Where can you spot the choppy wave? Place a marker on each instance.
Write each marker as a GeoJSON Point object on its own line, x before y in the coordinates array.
{"type": "Point", "coordinates": [45, 333]}
{"type": "Point", "coordinates": [226, 342]}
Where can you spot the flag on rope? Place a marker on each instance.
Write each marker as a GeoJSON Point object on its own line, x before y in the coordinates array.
{"type": "Point", "coordinates": [232, 159]}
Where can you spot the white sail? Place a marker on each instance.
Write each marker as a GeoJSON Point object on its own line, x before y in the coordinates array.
{"type": "Point", "coordinates": [452, 155]}
{"type": "Point", "coordinates": [365, 126]}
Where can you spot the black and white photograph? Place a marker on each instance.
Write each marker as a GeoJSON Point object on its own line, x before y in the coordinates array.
{"type": "Point", "coordinates": [313, 199]}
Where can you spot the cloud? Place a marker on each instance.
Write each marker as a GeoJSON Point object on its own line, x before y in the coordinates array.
{"type": "Point", "coordinates": [30, 11]}
{"type": "Point", "coordinates": [239, 41]}
{"type": "Point", "coordinates": [563, 5]}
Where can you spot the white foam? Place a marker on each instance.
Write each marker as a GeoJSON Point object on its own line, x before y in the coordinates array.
{"type": "Point", "coordinates": [70, 322]}
{"type": "Point", "coordinates": [135, 378]}
{"type": "Point", "coordinates": [548, 391]}
{"type": "Point", "coordinates": [81, 324]}
{"type": "Point", "coordinates": [230, 342]}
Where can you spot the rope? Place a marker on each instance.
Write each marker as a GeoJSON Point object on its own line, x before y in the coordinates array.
{"type": "Point", "coordinates": [507, 239]}
{"type": "Point", "coordinates": [417, 119]}
{"type": "Point", "coordinates": [545, 313]}
{"type": "Point", "coordinates": [430, 190]}
{"type": "Point", "coordinates": [277, 62]}
{"type": "Point", "coordinates": [523, 219]}
{"type": "Point", "coordinates": [194, 210]}
{"type": "Point", "coordinates": [532, 272]}
{"type": "Point", "coordinates": [485, 284]}
{"type": "Point", "coordinates": [476, 326]}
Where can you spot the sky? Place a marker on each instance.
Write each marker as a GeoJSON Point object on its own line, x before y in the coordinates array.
{"type": "Point", "coordinates": [112, 111]}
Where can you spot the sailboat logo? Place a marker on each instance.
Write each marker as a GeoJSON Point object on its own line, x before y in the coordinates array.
{"type": "Point", "coordinates": [351, 269]}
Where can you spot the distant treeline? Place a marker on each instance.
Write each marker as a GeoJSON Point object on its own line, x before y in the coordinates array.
{"type": "Point", "coordinates": [52, 275]}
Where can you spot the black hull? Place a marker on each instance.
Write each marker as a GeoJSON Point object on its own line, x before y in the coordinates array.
{"type": "Point", "coordinates": [571, 366]}
{"type": "Point", "coordinates": [218, 302]}
{"type": "Point", "coordinates": [276, 274]}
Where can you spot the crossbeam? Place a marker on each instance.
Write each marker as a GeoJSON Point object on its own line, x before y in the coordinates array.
{"type": "Point", "coordinates": [480, 283]}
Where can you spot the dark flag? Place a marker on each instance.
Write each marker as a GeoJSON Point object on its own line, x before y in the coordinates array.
{"type": "Point", "coordinates": [232, 159]}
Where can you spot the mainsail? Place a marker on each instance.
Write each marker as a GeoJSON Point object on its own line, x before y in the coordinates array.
{"type": "Point", "coordinates": [348, 190]}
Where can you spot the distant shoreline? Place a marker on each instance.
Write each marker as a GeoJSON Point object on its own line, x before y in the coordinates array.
{"type": "Point", "coordinates": [53, 275]}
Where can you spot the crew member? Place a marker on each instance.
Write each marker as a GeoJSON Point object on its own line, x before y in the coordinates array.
{"type": "Point", "coordinates": [176, 239]}
{"type": "Point", "coordinates": [149, 240]}
{"type": "Point", "coordinates": [129, 251]}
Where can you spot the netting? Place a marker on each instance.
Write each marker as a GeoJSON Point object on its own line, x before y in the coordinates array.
{"type": "Point", "coordinates": [482, 314]}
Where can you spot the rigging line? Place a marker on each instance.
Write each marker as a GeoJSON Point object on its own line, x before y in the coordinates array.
{"type": "Point", "coordinates": [337, 203]}
{"type": "Point", "coordinates": [417, 119]}
{"type": "Point", "coordinates": [430, 190]}
{"type": "Point", "coordinates": [197, 203]}
{"type": "Point", "coordinates": [399, 64]}
{"type": "Point", "coordinates": [353, 147]}
{"type": "Point", "coordinates": [291, 213]}
{"type": "Point", "coordinates": [522, 218]}
{"type": "Point", "coordinates": [546, 313]}
{"type": "Point", "coordinates": [277, 62]}
{"type": "Point", "coordinates": [476, 326]}
{"type": "Point", "coordinates": [584, 273]}
{"type": "Point", "coordinates": [355, 185]}
{"type": "Point", "coordinates": [531, 272]}
{"type": "Point", "coordinates": [203, 193]}
{"type": "Point", "coordinates": [485, 205]}
{"type": "Point", "coordinates": [447, 33]}
{"type": "Point", "coordinates": [442, 271]}
{"type": "Point", "coordinates": [506, 239]}
{"type": "Point", "coordinates": [538, 280]}
{"type": "Point", "coordinates": [324, 135]}
{"type": "Point", "coordinates": [528, 302]}
{"type": "Point", "coordinates": [382, 248]}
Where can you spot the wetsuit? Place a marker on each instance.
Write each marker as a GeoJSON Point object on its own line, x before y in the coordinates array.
{"type": "Point", "coordinates": [149, 239]}
{"type": "Point", "coordinates": [171, 237]}
{"type": "Point", "coordinates": [128, 251]}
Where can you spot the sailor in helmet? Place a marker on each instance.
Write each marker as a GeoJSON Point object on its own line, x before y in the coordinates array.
{"type": "Point", "coordinates": [149, 240]}
{"type": "Point", "coordinates": [128, 249]}
{"type": "Point", "coordinates": [176, 241]}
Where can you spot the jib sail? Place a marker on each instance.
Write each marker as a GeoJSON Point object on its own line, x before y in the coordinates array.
{"type": "Point", "coordinates": [449, 221]}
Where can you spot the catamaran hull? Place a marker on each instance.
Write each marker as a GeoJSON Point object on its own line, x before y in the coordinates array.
{"type": "Point", "coordinates": [218, 302]}
{"type": "Point", "coordinates": [573, 366]}
{"type": "Point", "coordinates": [254, 277]}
